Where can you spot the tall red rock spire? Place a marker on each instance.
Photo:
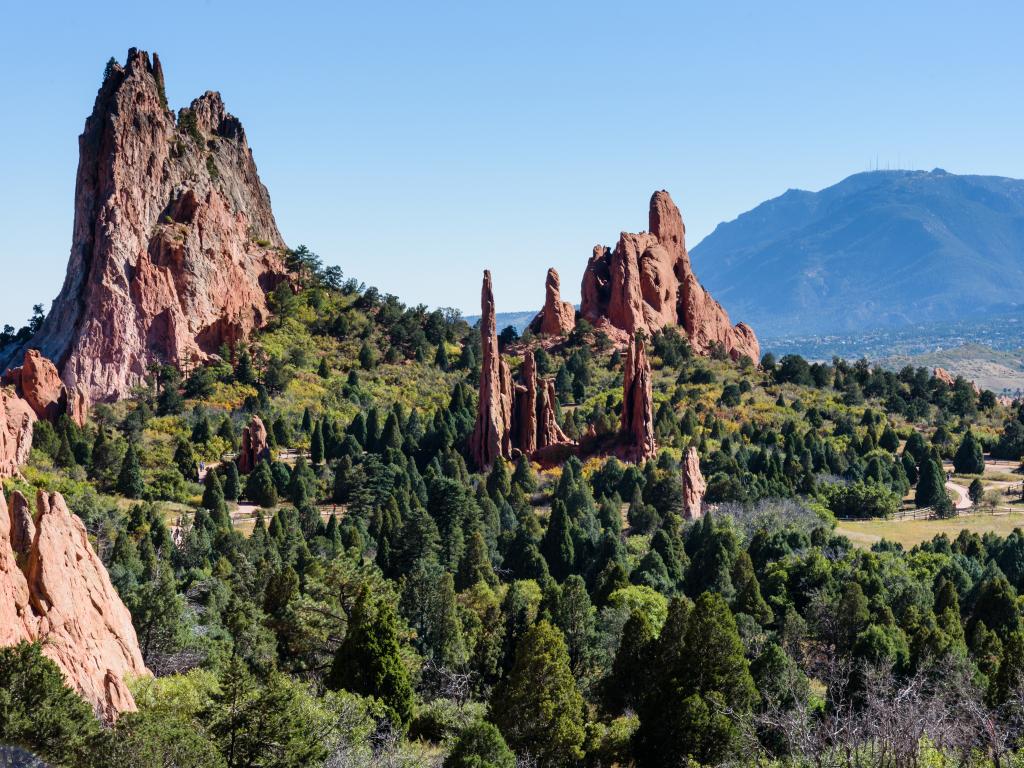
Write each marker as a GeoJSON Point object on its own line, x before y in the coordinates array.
{"type": "Point", "coordinates": [647, 282]}
{"type": "Point", "coordinates": [174, 241]}
{"type": "Point", "coordinates": [492, 435]}
{"type": "Point", "coordinates": [637, 404]}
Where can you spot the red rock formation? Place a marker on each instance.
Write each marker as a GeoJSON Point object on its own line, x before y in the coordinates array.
{"type": "Point", "coordinates": [558, 317]}
{"type": "Point", "coordinates": [38, 383]}
{"type": "Point", "coordinates": [16, 420]}
{"type": "Point", "coordinates": [944, 376]}
{"type": "Point", "coordinates": [536, 427]}
{"type": "Point", "coordinates": [174, 241]}
{"type": "Point", "coordinates": [491, 436]}
{"type": "Point", "coordinates": [694, 486]}
{"type": "Point", "coordinates": [54, 588]}
{"type": "Point", "coordinates": [637, 405]}
{"type": "Point", "coordinates": [647, 283]}
{"type": "Point", "coordinates": [254, 446]}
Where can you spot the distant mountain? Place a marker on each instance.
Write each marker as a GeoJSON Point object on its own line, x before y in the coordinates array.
{"type": "Point", "coordinates": [878, 249]}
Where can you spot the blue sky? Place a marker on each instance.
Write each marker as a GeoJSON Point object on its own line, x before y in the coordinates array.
{"type": "Point", "coordinates": [415, 144]}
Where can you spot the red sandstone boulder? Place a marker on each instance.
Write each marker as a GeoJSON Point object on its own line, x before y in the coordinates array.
{"type": "Point", "coordinates": [255, 446]}
{"type": "Point", "coordinates": [637, 424]}
{"type": "Point", "coordinates": [557, 318]}
{"type": "Point", "coordinates": [646, 283]}
{"type": "Point", "coordinates": [694, 486]}
{"type": "Point", "coordinates": [174, 242]}
{"type": "Point", "coordinates": [54, 589]}
{"type": "Point", "coordinates": [38, 383]}
{"type": "Point", "coordinates": [944, 376]}
{"type": "Point", "coordinates": [16, 421]}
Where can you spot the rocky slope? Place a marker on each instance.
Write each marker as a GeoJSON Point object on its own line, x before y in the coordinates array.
{"type": "Point", "coordinates": [54, 589]}
{"type": "Point", "coordinates": [174, 242]}
{"type": "Point", "coordinates": [647, 283]}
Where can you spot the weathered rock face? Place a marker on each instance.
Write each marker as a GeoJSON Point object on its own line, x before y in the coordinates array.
{"type": "Point", "coordinates": [512, 417]}
{"type": "Point", "coordinates": [637, 405]}
{"type": "Point", "coordinates": [694, 486]}
{"type": "Point", "coordinates": [254, 446]}
{"type": "Point", "coordinates": [54, 588]}
{"type": "Point", "coordinates": [491, 436]}
{"type": "Point", "coordinates": [646, 283]}
{"type": "Point", "coordinates": [174, 241]}
{"type": "Point", "coordinates": [557, 318]}
{"type": "Point", "coordinates": [16, 421]}
{"type": "Point", "coordinates": [38, 383]}
{"type": "Point", "coordinates": [536, 427]}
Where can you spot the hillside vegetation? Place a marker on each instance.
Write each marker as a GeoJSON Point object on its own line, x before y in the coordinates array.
{"type": "Point", "coordinates": [364, 597]}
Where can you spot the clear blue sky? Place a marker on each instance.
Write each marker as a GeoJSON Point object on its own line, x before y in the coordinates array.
{"type": "Point", "coordinates": [415, 144]}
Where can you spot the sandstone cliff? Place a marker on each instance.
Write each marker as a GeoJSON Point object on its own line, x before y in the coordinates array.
{"type": "Point", "coordinates": [38, 383]}
{"type": "Point", "coordinates": [54, 589]}
{"type": "Point", "coordinates": [174, 242]}
{"type": "Point", "coordinates": [646, 283]}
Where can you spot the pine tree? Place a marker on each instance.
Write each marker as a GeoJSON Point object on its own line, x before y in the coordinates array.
{"type": "Point", "coordinates": [65, 456]}
{"type": "Point", "coordinates": [323, 371]}
{"type": "Point", "coordinates": [129, 481]}
{"type": "Point", "coordinates": [260, 488]}
{"type": "Point", "coordinates": [369, 660]}
{"type": "Point", "coordinates": [969, 458]}
{"type": "Point", "coordinates": [213, 500]}
{"type": "Point", "coordinates": [538, 706]}
{"type": "Point", "coordinates": [316, 444]}
{"type": "Point", "coordinates": [232, 483]}
{"type": "Point", "coordinates": [557, 544]}
{"type": "Point", "coordinates": [441, 358]}
{"type": "Point", "coordinates": [931, 487]}
{"type": "Point", "coordinates": [748, 598]}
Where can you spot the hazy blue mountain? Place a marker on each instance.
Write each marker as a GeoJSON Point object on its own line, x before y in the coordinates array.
{"type": "Point", "coordinates": [883, 248]}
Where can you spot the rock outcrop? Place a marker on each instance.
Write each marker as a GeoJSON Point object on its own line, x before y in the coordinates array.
{"type": "Point", "coordinates": [16, 422]}
{"type": "Point", "coordinates": [557, 318]}
{"type": "Point", "coordinates": [637, 423]}
{"type": "Point", "coordinates": [647, 283]}
{"type": "Point", "coordinates": [174, 242]}
{"type": "Point", "coordinates": [491, 436]}
{"type": "Point", "coordinates": [512, 417]}
{"type": "Point", "coordinates": [949, 380]}
{"type": "Point", "coordinates": [536, 427]}
{"type": "Point", "coordinates": [694, 486]}
{"type": "Point", "coordinates": [54, 589]}
{"type": "Point", "coordinates": [255, 446]}
{"type": "Point", "coordinates": [38, 383]}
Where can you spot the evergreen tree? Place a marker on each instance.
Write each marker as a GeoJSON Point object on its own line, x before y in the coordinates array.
{"type": "Point", "coordinates": [213, 501]}
{"type": "Point", "coordinates": [969, 458]}
{"type": "Point", "coordinates": [538, 707]}
{"type": "Point", "coordinates": [557, 544]}
{"type": "Point", "coordinates": [129, 481]}
{"type": "Point", "coordinates": [441, 358]}
{"type": "Point", "coordinates": [322, 370]}
{"type": "Point", "coordinates": [931, 487]}
{"type": "Point", "coordinates": [316, 444]}
{"type": "Point", "coordinates": [232, 482]}
{"type": "Point", "coordinates": [369, 660]}
{"type": "Point", "coordinates": [480, 745]}
{"type": "Point", "coordinates": [260, 488]}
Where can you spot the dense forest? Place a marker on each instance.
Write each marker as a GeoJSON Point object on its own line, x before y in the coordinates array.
{"type": "Point", "coordinates": [367, 597]}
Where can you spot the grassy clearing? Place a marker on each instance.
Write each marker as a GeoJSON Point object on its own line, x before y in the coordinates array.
{"type": "Point", "coordinates": [864, 533]}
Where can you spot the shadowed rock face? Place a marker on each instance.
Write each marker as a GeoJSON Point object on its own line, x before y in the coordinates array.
{"type": "Point", "coordinates": [557, 318]}
{"type": "Point", "coordinates": [54, 589]}
{"type": "Point", "coordinates": [638, 443]}
{"type": "Point", "coordinates": [16, 421]}
{"type": "Point", "coordinates": [646, 283]}
{"type": "Point", "coordinates": [174, 240]}
{"type": "Point", "coordinates": [694, 486]}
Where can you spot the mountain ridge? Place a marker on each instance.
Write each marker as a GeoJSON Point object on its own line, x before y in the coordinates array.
{"type": "Point", "coordinates": [878, 248]}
